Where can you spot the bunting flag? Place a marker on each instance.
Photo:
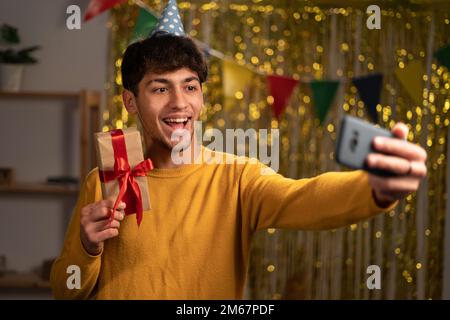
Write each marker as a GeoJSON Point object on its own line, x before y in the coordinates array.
{"type": "Point", "coordinates": [96, 7]}
{"type": "Point", "coordinates": [323, 93]}
{"type": "Point", "coordinates": [235, 78]}
{"type": "Point", "coordinates": [281, 89]}
{"type": "Point", "coordinates": [145, 24]}
{"type": "Point", "coordinates": [207, 53]}
{"type": "Point", "coordinates": [443, 56]}
{"type": "Point", "coordinates": [411, 78]}
{"type": "Point", "coordinates": [369, 90]}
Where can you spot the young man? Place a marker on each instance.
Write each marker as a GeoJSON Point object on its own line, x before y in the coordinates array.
{"type": "Point", "coordinates": [194, 243]}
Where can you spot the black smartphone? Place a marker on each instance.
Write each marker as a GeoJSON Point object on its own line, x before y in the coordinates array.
{"type": "Point", "coordinates": [355, 143]}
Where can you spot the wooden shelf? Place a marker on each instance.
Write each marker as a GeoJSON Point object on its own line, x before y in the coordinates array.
{"type": "Point", "coordinates": [39, 188]}
{"type": "Point", "coordinates": [89, 106]}
{"type": "Point", "coordinates": [23, 281]}
{"type": "Point", "coordinates": [40, 94]}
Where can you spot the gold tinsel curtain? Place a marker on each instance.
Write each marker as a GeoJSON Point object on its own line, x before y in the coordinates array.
{"type": "Point", "coordinates": [310, 40]}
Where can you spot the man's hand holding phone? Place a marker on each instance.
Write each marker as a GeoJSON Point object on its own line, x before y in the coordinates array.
{"type": "Point", "coordinates": [397, 155]}
{"type": "Point", "coordinates": [395, 165]}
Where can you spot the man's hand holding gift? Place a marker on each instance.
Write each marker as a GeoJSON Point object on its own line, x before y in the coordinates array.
{"type": "Point", "coordinates": [96, 225]}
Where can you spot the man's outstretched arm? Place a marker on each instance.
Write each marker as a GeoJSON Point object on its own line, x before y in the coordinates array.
{"type": "Point", "coordinates": [333, 199]}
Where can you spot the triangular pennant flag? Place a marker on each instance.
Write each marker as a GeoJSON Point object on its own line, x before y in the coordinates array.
{"type": "Point", "coordinates": [443, 56]}
{"type": "Point", "coordinates": [411, 78]}
{"type": "Point", "coordinates": [281, 90]}
{"type": "Point", "coordinates": [170, 21]}
{"type": "Point", "coordinates": [207, 52]}
{"type": "Point", "coordinates": [145, 24]}
{"type": "Point", "coordinates": [323, 92]}
{"type": "Point", "coordinates": [369, 90]}
{"type": "Point", "coordinates": [96, 7]}
{"type": "Point", "coordinates": [235, 78]}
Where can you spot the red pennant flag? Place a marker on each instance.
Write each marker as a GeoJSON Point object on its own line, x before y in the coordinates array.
{"type": "Point", "coordinates": [280, 89]}
{"type": "Point", "coordinates": [96, 7]}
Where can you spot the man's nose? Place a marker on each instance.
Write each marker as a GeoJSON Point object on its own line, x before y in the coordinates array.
{"type": "Point", "coordinates": [178, 99]}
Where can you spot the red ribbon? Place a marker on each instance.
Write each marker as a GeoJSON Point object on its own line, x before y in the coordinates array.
{"type": "Point", "coordinates": [129, 190]}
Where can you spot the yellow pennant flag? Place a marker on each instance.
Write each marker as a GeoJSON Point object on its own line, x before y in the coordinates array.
{"type": "Point", "coordinates": [235, 78]}
{"type": "Point", "coordinates": [411, 79]}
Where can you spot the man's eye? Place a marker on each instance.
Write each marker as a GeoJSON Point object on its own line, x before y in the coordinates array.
{"type": "Point", "coordinates": [191, 88]}
{"type": "Point", "coordinates": [160, 90]}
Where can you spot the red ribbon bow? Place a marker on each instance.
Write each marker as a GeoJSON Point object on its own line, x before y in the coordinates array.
{"type": "Point", "coordinates": [129, 189]}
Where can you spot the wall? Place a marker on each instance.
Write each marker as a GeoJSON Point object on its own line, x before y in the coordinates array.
{"type": "Point", "coordinates": [38, 138]}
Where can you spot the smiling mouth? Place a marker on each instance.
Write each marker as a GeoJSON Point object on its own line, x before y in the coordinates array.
{"type": "Point", "coordinates": [177, 123]}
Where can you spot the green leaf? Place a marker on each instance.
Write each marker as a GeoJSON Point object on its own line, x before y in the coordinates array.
{"type": "Point", "coordinates": [9, 34]}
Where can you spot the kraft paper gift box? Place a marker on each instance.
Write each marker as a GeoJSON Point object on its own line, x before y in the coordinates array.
{"type": "Point", "coordinates": [122, 169]}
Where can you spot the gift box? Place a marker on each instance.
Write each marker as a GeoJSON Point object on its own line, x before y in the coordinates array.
{"type": "Point", "coordinates": [123, 170]}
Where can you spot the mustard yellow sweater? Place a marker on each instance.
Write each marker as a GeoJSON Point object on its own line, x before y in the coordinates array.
{"type": "Point", "coordinates": [194, 243]}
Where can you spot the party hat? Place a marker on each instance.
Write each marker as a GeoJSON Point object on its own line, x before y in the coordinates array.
{"type": "Point", "coordinates": [170, 21]}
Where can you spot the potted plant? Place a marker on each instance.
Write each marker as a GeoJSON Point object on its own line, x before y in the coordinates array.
{"type": "Point", "coordinates": [12, 61]}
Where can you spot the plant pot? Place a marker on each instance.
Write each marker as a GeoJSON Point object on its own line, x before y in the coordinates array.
{"type": "Point", "coordinates": [11, 76]}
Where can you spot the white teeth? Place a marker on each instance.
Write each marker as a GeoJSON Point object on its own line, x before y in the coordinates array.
{"type": "Point", "coordinates": [176, 120]}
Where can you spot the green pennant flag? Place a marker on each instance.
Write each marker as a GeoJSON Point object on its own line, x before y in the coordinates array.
{"type": "Point", "coordinates": [145, 24]}
{"type": "Point", "coordinates": [443, 56]}
{"type": "Point", "coordinates": [323, 92]}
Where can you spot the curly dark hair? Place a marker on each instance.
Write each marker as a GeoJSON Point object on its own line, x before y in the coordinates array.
{"type": "Point", "coordinates": [160, 53]}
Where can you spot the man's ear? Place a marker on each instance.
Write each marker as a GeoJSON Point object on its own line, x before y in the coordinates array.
{"type": "Point", "coordinates": [129, 100]}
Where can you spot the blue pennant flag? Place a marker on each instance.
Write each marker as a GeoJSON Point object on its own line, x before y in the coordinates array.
{"type": "Point", "coordinates": [369, 90]}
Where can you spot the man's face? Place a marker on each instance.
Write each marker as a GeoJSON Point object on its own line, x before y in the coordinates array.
{"type": "Point", "coordinates": [167, 102]}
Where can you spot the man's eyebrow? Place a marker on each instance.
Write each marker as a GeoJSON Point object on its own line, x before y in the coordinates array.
{"type": "Point", "coordinates": [166, 81]}
{"type": "Point", "coordinates": [189, 79]}
{"type": "Point", "coordinates": [160, 80]}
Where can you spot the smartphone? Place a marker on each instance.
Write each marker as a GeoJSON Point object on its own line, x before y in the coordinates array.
{"type": "Point", "coordinates": [355, 143]}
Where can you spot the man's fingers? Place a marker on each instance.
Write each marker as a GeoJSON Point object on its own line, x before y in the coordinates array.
{"type": "Point", "coordinates": [100, 213]}
{"type": "Point", "coordinates": [106, 224]}
{"type": "Point", "coordinates": [119, 215]}
{"type": "Point", "coordinates": [400, 130]}
{"type": "Point", "coordinates": [401, 148]}
{"type": "Point", "coordinates": [96, 223]}
{"type": "Point", "coordinates": [108, 203]}
{"type": "Point", "coordinates": [397, 165]}
{"type": "Point", "coordinates": [122, 205]}
{"type": "Point", "coordinates": [103, 210]}
{"type": "Point", "coordinates": [107, 234]}
{"type": "Point", "coordinates": [394, 164]}
{"type": "Point", "coordinates": [418, 169]}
